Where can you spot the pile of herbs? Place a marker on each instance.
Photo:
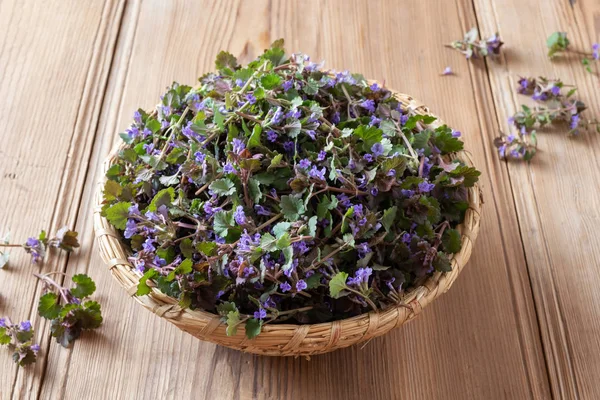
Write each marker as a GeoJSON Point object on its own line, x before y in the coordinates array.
{"type": "Point", "coordinates": [282, 192]}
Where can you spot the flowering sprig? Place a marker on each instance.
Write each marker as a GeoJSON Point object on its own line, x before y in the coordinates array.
{"type": "Point", "coordinates": [20, 339]}
{"type": "Point", "coordinates": [558, 43]}
{"type": "Point", "coordinates": [70, 310]}
{"type": "Point", "coordinates": [472, 46]}
{"type": "Point", "coordinates": [558, 107]}
{"type": "Point", "coordinates": [248, 195]}
{"type": "Point", "coordinates": [65, 239]}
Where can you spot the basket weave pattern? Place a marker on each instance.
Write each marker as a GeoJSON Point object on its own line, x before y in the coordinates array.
{"type": "Point", "coordinates": [288, 339]}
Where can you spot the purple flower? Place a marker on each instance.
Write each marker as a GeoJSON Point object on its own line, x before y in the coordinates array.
{"type": "Point", "coordinates": [229, 169]}
{"type": "Point", "coordinates": [447, 71]}
{"type": "Point", "coordinates": [510, 138]}
{"type": "Point", "coordinates": [425, 187]}
{"type": "Point", "coordinates": [164, 124]}
{"type": "Point", "coordinates": [250, 98]}
{"type": "Point", "coordinates": [321, 156]}
{"type": "Point", "coordinates": [133, 132]}
{"type": "Point", "coordinates": [25, 326]}
{"type": "Point", "coordinates": [374, 191]}
{"type": "Point", "coordinates": [368, 105]}
{"type": "Point", "coordinates": [311, 133]}
{"type": "Point", "coordinates": [391, 172]}
{"type": "Point", "coordinates": [293, 114]}
{"type": "Point", "coordinates": [260, 210]}
{"type": "Point", "coordinates": [285, 287]}
{"type": "Point", "coordinates": [301, 285]}
{"type": "Point", "coordinates": [374, 120]}
{"type": "Point", "coordinates": [148, 246]}
{"type": "Point", "coordinates": [166, 110]}
{"type": "Point", "coordinates": [240, 216]}
{"type": "Point", "coordinates": [407, 193]}
{"type": "Point", "coordinates": [137, 117]}
{"type": "Point", "coordinates": [596, 51]}
{"type": "Point", "coordinates": [199, 157]}
{"type": "Point", "coordinates": [360, 276]}
{"type": "Point", "coordinates": [271, 136]}
{"type": "Point", "coordinates": [502, 151]}
{"type": "Point", "coordinates": [555, 90]}
{"type": "Point", "coordinates": [260, 314]}
{"type": "Point", "coordinates": [335, 118]}
{"type": "Point", "coordinates": [363, 249]}
{"type": "Point", "coordinates": [456, 134]}
{"type": "Point", "coordinates": [317, 173]}
{"type": "Point", "coordinates": [239, 82]}
{"type": "Point", "coordinates": [289, 146]}
{"type": "Point", "coordinates": [574, 121]}
{"type": "Point", "coordinates": [238, 145]}
{"type": "Point", "coordinates": [368, 157]}
{"type": "Point", "coordinates": [35, 348]}
{"type": "Point", "coordinates": [375, 87]}
{"type": "Point", "coordinates": [3, 323]}
{"type": "Point", "coordinates": [403, 119]}
{"type": "Point", "coordinates": [287, 85]}
{"type": "Point", "coordinates": [377, 149]}
{"type": "Point", "coordinates": [130, 229]}
{"type": "Point", "coordinates": [277, 116]}
{"type": "Point", "coordinates": [149, 148]}
{"type": "Point", "coordinates": [304, 163]}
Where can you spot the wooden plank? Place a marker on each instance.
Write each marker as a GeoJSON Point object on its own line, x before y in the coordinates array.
{"type": "Point", "coordinates": [556, 196]}
{"type": "Point", "coordinates": [478, 341]}
{"type": "Point", "coordinates": [53, 66]}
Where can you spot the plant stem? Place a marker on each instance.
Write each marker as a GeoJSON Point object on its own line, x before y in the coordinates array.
{"type": "Point", "coordinates": [10, 245]}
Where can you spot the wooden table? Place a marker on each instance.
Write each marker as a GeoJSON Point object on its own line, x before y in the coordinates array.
{"type": "Point", "coordinates": [520, 322]}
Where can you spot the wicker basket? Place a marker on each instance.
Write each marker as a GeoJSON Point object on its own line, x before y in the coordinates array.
{"type": "Point", "coordinates": [291, 340]}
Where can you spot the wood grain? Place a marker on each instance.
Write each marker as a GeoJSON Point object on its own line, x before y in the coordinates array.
{"type": "Point", "coordinates": [478, 341]}
{"type": "Point", "coordinates": [53, 66]}
{"type": "Point", "coordinates": [556, 196]}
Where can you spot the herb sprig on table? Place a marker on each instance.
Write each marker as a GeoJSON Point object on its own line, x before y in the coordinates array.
{"type": "Point", "coordinates": [280, 192]}
{"type": "Point", "coordinates": [20, 339]}
{"type": "Point", "coordinates": [65, 239]}
{"type": "Point", "coordinates": [557, 105]}
{"type": "Point", "coordinates": [472, 46]}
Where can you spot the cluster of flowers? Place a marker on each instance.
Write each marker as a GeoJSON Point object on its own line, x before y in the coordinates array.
{"type": "Point", "coordinates": [19, 338]}
{"type": "Point", "coordinates": [556, 107]}
{"type": "Point", "coordinates": [278, 191]}
{"type": "Point", "coordinates": [472, 46]}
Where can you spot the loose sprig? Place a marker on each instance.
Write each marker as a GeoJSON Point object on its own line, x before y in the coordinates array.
{"type": "Point", "coordinates": [20, 339]}
{"type": "Point", "coordinates": [70, 310]}
{"type": "Point", "coordinates": [558, 43]}
{"type": "Point", "coordinates": [264, 190]}
{"type": "Point", "coordinates": [65, 239]}
{"type": "Point", "coordinates": [557, 107]}
{"type": "Point", "coordinates": [472, 46]}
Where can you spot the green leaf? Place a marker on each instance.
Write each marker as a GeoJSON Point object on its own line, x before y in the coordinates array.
{"type": "Point", "coordinates": [288, 254]}
{"type": "Point", "coordinates": [155, 162]}
{"type": "Point", "coordinates": [186, 248]}
{"type": "Point", "coordinates": [225, 61]}
{"type": "Point", "coordinates": [442, 263]}
{"type": "Point", "coordinates": [4, 257]}
{"type": "Point", "coordinates": [275, 162]}
{"type": "Point", "coordinates": [326, 204]}
{"type": "Point", "coordinates": [4, 338]}
{"type": "Point", "coordinates": [292, 207]}
{"type": "Point", "coordinates": [283, 241]}
{"type": "Point", "coordinates": [163, 197]}
{"type": "Point", "coordinates": [389, 216]}
{"type": "Point", "coordinates": [143, 287]}
{"type": "Point", "coordinates": [411, 122]}
{"type": "Point", "coordinates": [369, 135]}
{"type": "Point", "coordinates": [254, 140]}
{"type": "Point", "coordinates": [421, 141]}
{"type": "Point", "coordinates": [153, 125]}
{"type": "Point", "coordinates": [281, 228]}
{"type": "Point", "coordinates": [348, 214]}
{"type": "Point", "coordinates": [312, 225]}
{"type": "Point", "coordinates": [218, 119]}
{"type": "Point", "coordinates": [311, 87]}
{"type": "Point", "coordinates": [48, 306]}
{"type": "Point", "coordinates": [556, 43]}
{"type": "Point", "coordinates": [270, 81]}
{"type": "Point", "coordinates": [232, 321]}
{"type": "Point", "coordinates": [117, 214]}
{"type": "Point", "coordinates": [337, 284]}
{"type": "Point", "coordinates": [253, 327]}
{"type": "Point", "coordinates": [182, 269]}
{"type": "Point", "coordinates": [313, 281]}
{"type": "Point", "coordinates": [451, 241]}
{"type": "Point", "coordinates": [445, 142]}
{"type": "Point", "coordinates": [112, 190]}
{"type": "Point", "coordinates": [268, 242]}
{"type": "Point", "coordinates": [222, 187]}
{"type": "Point", "coordinates": [207, 248]}
{"type": "Point", "coordinates": [254, 190]}
{"type": "Point", "coordinates": [223, 220]}
{"type": "Point", "coordinates": [84, 287]}
{"type": "Point", "coordinates": [349, 239]}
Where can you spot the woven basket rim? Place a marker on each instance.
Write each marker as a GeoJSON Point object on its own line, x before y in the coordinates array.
{"type": "Point", "coordinates": [207, 326]}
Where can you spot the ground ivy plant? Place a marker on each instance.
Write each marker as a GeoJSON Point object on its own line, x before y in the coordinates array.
{"type": "Point", "coordinates": [278, 191]}
{"type": "Point", "coordinates": [472, 46]}
{"type": "Point", "coordinates": [556, 106]}
{"type": "Point", "coordinates": [69, 310]}
{"type": "Point", "coordinates": [20, 340]}
{"type": "Point", "coordinates": [558, 44]}
{"type": "Point", "coordinates": [37, 246]}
